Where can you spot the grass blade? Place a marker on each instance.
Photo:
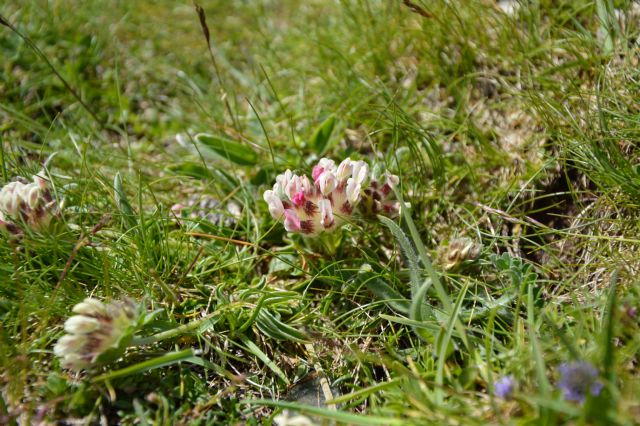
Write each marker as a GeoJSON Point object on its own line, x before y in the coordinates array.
{"type": "Point", "coordinates": [162, 361]}
{"type": "Point", "coordinates": [339, 416]}
{"type": "Point", "coordinates": [254, 349]}
{"type": "Point", "coordinates": [444, 343]}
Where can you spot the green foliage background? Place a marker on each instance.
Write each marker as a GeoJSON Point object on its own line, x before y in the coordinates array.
{"type": "Point", "coordinates": [516, 129]}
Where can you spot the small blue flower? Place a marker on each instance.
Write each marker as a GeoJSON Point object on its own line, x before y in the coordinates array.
{"type": "Point", "coordinates": [504, 386]}
{"type": "Point", "coordinates": [579, 379]}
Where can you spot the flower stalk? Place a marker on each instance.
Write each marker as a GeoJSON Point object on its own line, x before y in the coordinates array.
{"type": "Point", "coordinates": [169, 334]}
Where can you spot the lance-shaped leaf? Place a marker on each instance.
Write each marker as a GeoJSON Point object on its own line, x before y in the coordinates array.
{"type": "Point", "coordinates": [227, 149]}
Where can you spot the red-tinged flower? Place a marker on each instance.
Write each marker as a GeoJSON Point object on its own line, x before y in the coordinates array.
{"type": "Point", "coordinates": [28, 203]}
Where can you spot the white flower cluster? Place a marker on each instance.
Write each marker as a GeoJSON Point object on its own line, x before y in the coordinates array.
{"type": "Point", "coordinates": [326, 203]}
{"type": "Point", "coordinates": [30, 202]}
{"type": "Point", "coordinates": [96, 328]}
{"type": "Point", "coordinates": [287, 418]}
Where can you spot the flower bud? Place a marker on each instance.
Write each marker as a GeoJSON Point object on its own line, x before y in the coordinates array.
{"type": "Point", "coordinates": [458, 251]}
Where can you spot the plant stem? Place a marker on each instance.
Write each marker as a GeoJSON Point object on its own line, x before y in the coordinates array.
{"type": "Point", "coordinates": [174, 332]}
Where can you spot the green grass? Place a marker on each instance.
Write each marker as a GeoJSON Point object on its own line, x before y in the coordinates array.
{"type": "Point", "coordinates": [519, 131]}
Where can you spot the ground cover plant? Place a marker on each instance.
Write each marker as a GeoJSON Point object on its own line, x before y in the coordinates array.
{"type": "Point", "coordinates": [319, 212]}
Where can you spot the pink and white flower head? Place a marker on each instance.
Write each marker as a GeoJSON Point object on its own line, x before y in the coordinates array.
{"type": "Point", "coordinates": [29, 202]}
{"type": "Point", "coordinates": [322, 204]}
{"type": "Point", "coordinates": [95, 329]}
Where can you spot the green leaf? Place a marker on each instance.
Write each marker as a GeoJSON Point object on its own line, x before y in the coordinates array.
{"type": "Point", "coordinates": [433, 328]}
{"type": "Point", "coordinates": [254, 349]}
{"type": "Point", "coordinates": [320, 139]}
{"type": "Point", "coordinates": [608, 24]}
{"type": "Point", "coordinates": [227, 149]}
{"type": "Point", "coordinates": [364, 392]}
{"type": "Point", "coordinates": [421, 311]}
{"type": "Point", "coordinates": [445, 343]}
{"type": "Point", "coordinates": [276, 329]}
{"type": "Point", "coordinates": [193, 170]}
{"type": "Point", "coordinates": [162, 361]}
{"type": "Point", "coordinates": [122, 202]}
{"type": "Point", "coordinates": [543, 382]}
{"type": "Point", "coordinates": [412, 258]}
{"type": "Point", "coordinates": [388, 295]}
{"type": "Point", "coordinates": [608, 331]}
{"type": "Point", "coordinates": [56, 384]}
{"type": "Point", "coordinates": [225, 179]}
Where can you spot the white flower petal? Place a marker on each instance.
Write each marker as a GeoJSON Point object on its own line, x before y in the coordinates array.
{"type": "Point", "coordinates": [353, 191]}
{"type": "Point", "coordinates": [74, 362]}
{"type": "Point", "coordinates": [360, 171]}
{"type": "Point", "coordinates": [32, 196]}
{"type": "Point", "coordinates": [79, 324]}
{"type": "Point", "coordinates": [327, 182]}
{"type": "Point", "coordinates": [392, 180]}
{"type": "Point", "coordinates": [293, 187]}
{"type": "Point", "coordinates": [326, 213]}
{"type": "Point", "coordinates": [39, 181]}
{"type": "Point", "coordinates": [327, 164]}
{"type": "Point", "coordinates": [344, 169]}
{"type": "Point", "coordinates": [90, 307]}
{"type": "Point", "coordinates": [68, 344]}
{"type": "Point", "coordinates": [282, 180]}
{"type": "Point", "coordinates": [276, 208]}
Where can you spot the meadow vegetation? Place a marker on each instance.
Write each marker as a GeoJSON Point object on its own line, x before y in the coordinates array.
{"type": "Point", "coordinates": [503, 291]}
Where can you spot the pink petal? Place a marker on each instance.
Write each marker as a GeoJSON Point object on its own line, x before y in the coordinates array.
{"type": "Point", "coordinates": [299, 198]}
{"type": "Point", "coordinates": [317, 171]}
{"type": "Point", "coordinates": [291, 221]}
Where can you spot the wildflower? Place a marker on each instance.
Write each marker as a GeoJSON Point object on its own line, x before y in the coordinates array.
{"type": "Point", "coordinates": [96, 329]}
{"type": "Point", "coordinates": [287, 419]}
{"type": "Point", "coordinates": [579, 379]}
{"type": "Point", "coordinates": [458, 251]}
{"type": "Point", "coordinates": [324, 202]}
{"type": "Point", "coordinates": [30, 202]}
{"type": "Point", "coordinates": [379, 197]}
{"type": "Point", "coordinates": [504, 387]}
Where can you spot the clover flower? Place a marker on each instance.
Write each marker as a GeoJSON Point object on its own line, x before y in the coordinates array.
{"type": "Point", "coordinates": [504, 387]}
{"type": "Point", "coordinates": [379, 197]}
{"type": "Point", "coordinates": [324, 204]}
{"type": "Point", "coordinates": [286, 418]}
{"type": "Point", "coordinates": [98, 330]}
{"type": "Point", "coordinates": [30, 202]}
{"type": "Point", "coordinates": [459, 251]}
{"type": "Point", "coordinates": [579, 379]}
